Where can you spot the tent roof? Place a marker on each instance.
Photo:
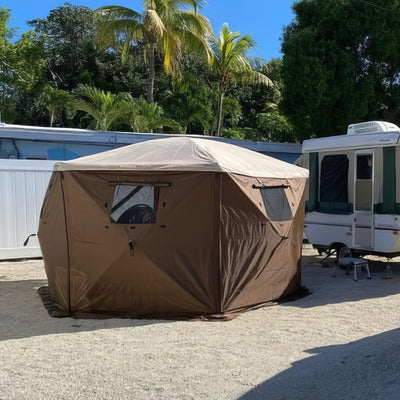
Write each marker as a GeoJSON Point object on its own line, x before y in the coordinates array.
{"type": "Point", "coordinates": [185, 154]}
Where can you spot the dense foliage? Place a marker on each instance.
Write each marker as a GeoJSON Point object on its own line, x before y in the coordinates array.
{"type": "Point", "coordinates": [94, 69]}
{"type": "Point", "coordinates": [75, 69]}
{"type": "Point", "coordinates": [341, 64]}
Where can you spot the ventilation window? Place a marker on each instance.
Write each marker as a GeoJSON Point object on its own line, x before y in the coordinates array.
{"type": "Point", "coordinates": [134, 204]}
{"type": "Point", "coordinates": [276, 203]}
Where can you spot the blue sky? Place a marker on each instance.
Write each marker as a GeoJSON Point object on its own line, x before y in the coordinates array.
{"type": "Point", "coordinates": [264, 19]}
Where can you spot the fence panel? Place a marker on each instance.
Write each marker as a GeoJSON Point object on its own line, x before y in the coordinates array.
{"type": "Point", "coordinates": [23, 184]}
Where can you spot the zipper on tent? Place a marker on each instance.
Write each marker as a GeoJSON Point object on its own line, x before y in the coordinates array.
{"type": "Point", "coordinates": [67, 239]}
{"type": "Point", "coordinates": [219, 241]}
{"type": "Point", "coordinates": [131, 245]}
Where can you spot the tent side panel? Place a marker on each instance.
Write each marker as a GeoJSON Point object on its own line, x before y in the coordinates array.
{"type": "Point", "coordinates": [52, 235]}
{"type": "Point", "coordinates": [168, 267]}
{"type": "Point", "coordinates": [261, 259]}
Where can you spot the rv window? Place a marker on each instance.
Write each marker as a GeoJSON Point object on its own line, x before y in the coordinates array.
{"type": "Point", "coordinates": [133, 205]}
{"type": "Point", "coordinates": [276, 203]}
{"type": "Point", "coordinates": [334, 178]}
{"type": "Point", "coordinates": [364, 166]}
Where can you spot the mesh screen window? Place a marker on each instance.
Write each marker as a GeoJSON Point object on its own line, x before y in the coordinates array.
{"type": "Point", "coordinates": [276, 203]}
{"type": "Point", "coordinates": [133, 205]}
{"type": "Point", "coordinates": [334, 178]}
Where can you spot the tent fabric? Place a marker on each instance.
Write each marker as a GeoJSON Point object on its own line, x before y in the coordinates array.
{"type": "Point", "coordinates": [211, 249]}
{"type": "Point", "coordinates": [185, 154]}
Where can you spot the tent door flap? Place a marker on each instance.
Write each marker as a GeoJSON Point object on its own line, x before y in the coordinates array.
{"type": "Point", "coordinates": [131, 245]}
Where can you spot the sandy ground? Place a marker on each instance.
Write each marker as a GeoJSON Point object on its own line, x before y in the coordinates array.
{"type": "Point", "coordinates": [340, 342]}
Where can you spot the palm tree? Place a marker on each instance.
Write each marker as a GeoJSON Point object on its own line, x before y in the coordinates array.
{"type": "Point", "coordinates": [149, 117]}
{"type": "Point", "coordinates": [105, 108]}
{"type": "Point", "coordinates": [232, 63]}
{"type": "Point", "coordinates": [165, 25]}
{"type": "Point", "coordinates": [190, 103]}
{"type": "Point", "coordinates": [55, 100]}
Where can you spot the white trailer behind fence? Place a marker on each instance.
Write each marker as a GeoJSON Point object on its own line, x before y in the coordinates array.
{"type": "Point", "coordinates": [23, 184]}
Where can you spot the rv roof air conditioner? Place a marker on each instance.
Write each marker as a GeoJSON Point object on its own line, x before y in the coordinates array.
{"type": "Point", "coordinates": [367, 128]}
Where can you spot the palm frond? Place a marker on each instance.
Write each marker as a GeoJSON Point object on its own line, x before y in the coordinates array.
{"type": "Point", "coordinates": [110, 13]}
{"type": "Point", "coordinates": [153, 23]}
{"type": "Point", "coordinates": [257, 62]}
{"type": "Point", "coordinates": [116, 24]}
{"type": "Point", "coordinates": [170, 25]}
{"type": "Point", "coordinates": [172, 49]}
{"type": "Point", "coordinates": [198, 43]}
{"type": "Point", "coordinates": [104, 107]}
{"type": "Point", "coordinates": [188, 20]}
{"type": "Point", "coordinates": [195, 5]}
{"type": "Point", "coordinates": [231, 59]}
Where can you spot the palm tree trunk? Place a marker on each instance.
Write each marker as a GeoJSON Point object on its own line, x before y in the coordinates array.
{"type": "Point", "coordinates": [220, 107]}
{"type": "Point", "coordinates": [150, 93]}
{"type": "Point", "coordinates": [185, 126]}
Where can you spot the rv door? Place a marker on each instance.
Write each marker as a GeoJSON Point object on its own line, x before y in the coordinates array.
{"type": "Point", "coordinates": [363, 222]}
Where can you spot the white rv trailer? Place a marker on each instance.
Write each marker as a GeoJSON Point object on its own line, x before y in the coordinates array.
{"type": "Point", "coordinates": [354, 190]}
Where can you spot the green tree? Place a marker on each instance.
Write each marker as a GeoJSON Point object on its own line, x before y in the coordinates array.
{"type": "Point", "coordinates": [22, 66]}
{"type": "Point", "coordinates": [232, 63]}
{"type": "Point", "coordinates": [149, 117]}
{"type": "Point", "coordinates": [68, 33]}
{"type": "Point", "coordinates": [257, 98]}
{"type": "Point", "coordinates": [7, 102]}
{"type": "Point", "coordinates": [55, 101]}
{"type": "Point", "coordinates": [231, 112]}
{"type": "Point", "coordinates": [105, 108]}
{"type": "Point", "coordinates": [169, 26]}
{"type": "Point", "coordinates": [190, 103]}
{"type": "Point", "coordinates": [275, 127]}
{"type": "Point", "coordinates": [341, 64]}
{"type": "Point", "coordinates": [73, 57]}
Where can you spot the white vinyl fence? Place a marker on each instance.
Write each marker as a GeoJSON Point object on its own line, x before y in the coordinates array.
{"type": "Point", "coordinates": [23, 184]}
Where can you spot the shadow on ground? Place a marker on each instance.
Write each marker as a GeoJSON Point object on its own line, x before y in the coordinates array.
{"type": "Point", "coordinates": [365, 369]}
{"type": "Point", "coordinates": [23, 315]}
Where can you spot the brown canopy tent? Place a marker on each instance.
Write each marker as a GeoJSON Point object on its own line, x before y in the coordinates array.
{"type": "Point", "coordinates": [172, 227]}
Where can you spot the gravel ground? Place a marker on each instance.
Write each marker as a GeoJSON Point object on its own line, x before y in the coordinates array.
{"type": "Point", "coordinates": [341, 342]}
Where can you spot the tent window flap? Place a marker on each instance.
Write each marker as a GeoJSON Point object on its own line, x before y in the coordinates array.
{"type": "Point", "coordinates": [276, 203]}
{"type": "Point", "coordinates": [133, 204]}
